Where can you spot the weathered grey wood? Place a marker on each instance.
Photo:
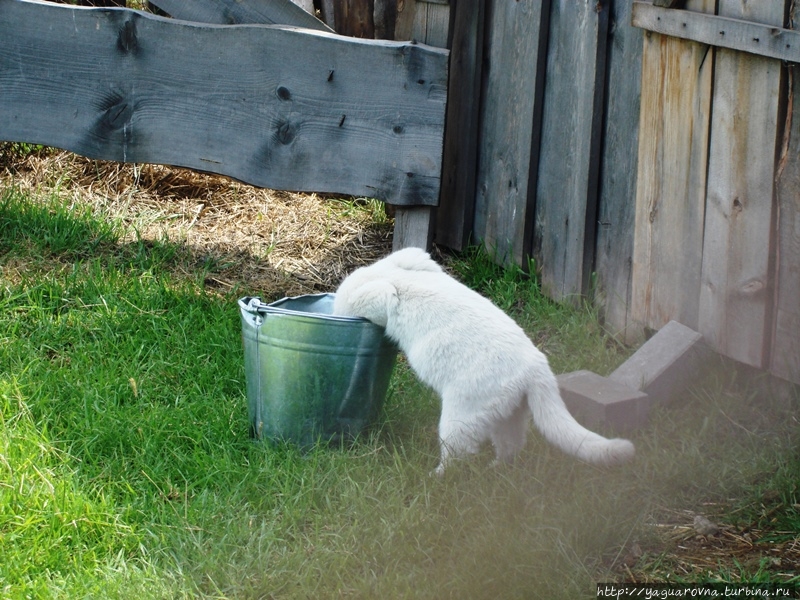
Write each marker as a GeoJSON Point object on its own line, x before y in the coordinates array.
{"type": "Point", "coordinates": [232, 12]}
{"type": "Point", "coordinates": [456, 212]}
{"type": "Point", "coordinates": [785, 359]}
{"type": "Point", "coordinates": [306, 5]}
{"type": "Point", "coordinates": [617, 202]}
{"type": "Point", "coordinates": [670, 190]}
{"type": "Point", "coordinates": [423, 21]}
{"type": "Point", "coordinates": [326, 11]}
{"type": "Point", "coordinates": [277, 107]}
{"type": "Point", "coordinates": [737, 288]}
{"type": "Point", "coordinates": [566, 194]}
{"type": "Point", "coordinates": [768, 39]}
{"type": "Point", "coordinates": [413, 227]}
{"type": "Point", "coordinates": [511, 101]}
{"type": "Point", "coordinates": [430, 24]}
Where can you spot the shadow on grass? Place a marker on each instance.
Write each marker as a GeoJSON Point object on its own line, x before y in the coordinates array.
{"type": "Point", "coordinates": [123, 412]}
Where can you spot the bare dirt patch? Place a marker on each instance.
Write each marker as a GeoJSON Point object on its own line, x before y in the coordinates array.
{"type": "Point", "coordinates": [263, 241]}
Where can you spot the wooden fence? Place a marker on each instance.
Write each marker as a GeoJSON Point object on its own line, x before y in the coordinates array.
{"type": "Point", "coordinates": [646, 157]}
{"type": "Point", "coordinates": [275, 106]}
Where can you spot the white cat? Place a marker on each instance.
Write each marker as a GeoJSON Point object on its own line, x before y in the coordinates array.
{"type": "Point", "coordinates": [488, 373]}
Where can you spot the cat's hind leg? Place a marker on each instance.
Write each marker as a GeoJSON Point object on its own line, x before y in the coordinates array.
{"type": "Point", "coordinates": [508, 434]}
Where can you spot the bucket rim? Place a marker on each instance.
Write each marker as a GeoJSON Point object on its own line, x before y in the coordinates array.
{"type": "Point", "coordinates": [254, 305]}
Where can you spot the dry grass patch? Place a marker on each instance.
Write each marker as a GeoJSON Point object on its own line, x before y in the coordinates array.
{"type": "Point", "coordinates": [265, 241]}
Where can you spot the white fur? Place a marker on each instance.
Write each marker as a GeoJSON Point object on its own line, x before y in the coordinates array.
{"type": "Point", "coordinates": [488, 373]}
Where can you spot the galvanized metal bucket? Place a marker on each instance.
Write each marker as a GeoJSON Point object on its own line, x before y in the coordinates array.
{"type": "Point", "coordinates": [312, 376]}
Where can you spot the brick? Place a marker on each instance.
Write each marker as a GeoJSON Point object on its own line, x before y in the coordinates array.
{"type": "Point", "coordinates": [665, 364]}
{"type": "Point", "coordinates": [597, 401]}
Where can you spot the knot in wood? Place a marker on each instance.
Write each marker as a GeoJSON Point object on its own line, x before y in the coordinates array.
{"type": "Point", "coordinates": [285, 133]}
{"type": "Point", "coordinates": [127, 41]}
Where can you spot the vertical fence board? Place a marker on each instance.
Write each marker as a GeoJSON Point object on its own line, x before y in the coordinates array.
{"type": "Point", "coordinates": [354, 18]}
{"type": "Point", "coordinates": [423, 21]}
{"type": "Point", "coordinates": [737, 287]}
{"type": "Point", "coordinates": [566, 194]}
{"type": "Point", "coordinates": [430, 24]}
{"type": "Point", "coordinates": [670, 190]}
{"type": "Point", "coordinates": [785, 361]}
{"type": "Point", "coordinates": [508, 135]}
{"type": "Point", "coordinates": [617, 201]}
{"type": "Point", "coordinates": [455, 213]}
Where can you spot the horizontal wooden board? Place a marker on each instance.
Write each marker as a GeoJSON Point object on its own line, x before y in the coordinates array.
{"type": "Point", "coordinates": [736, 34]}
{"type": "Point", "coordinates": [274, 106]}
{"type": "Point", "coordinates": [232, 12]}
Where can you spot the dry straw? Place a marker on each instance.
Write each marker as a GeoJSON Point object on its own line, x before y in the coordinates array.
{"type": "Point", "coordinates": [269, 242]}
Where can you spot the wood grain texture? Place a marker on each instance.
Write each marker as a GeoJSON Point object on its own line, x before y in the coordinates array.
{"type": "Point", "coordinates": [670, 190]}
{"type": "Point", "coordinates": [569, 162]}
{"type": "Point", "coordinates": [355, 18]}
{"type": "Point", "coordinates": [276, 107]}
{"type": "Point", "coordinates": [424, 22]}
{"type": "Point", "coordinates": [617, 201]}
{"type": "Point", "coordinates": [413, 227]}
{"type": "Point", "coordinates": [737, 288]}
{"type": "Point", "coordinates": [769, 40]}
{"type": "Point", "coordinates": [511, 101]}
{"type": "Point", "coordinates": [430, 24]}
{"type": "Point", "coordinates": [233, 12]}
{"type": "Point", "coordinates": [456, 212]}
{"type": "Point", "coordinates": [785, 358]}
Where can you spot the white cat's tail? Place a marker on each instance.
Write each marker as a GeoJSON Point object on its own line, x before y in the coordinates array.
{"type": "Point", "coordinates": [560, 428]}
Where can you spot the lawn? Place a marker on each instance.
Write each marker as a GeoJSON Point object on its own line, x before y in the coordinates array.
{"type": "Point", "coordinates": [127, 471]}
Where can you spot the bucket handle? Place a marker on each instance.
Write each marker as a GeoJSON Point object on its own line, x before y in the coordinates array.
{"type": "Point", "coordinates": [252, 311]}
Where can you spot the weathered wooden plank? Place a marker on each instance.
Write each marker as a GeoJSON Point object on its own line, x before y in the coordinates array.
{"type": "Point", "coordinates": [354, 18]}
{"type": "Point", "coordinates": [617, 201]}
{"type": "Point", "coordinates": [384, 15]}
{"type": "Point", "coordinates": [763, 39]}
{"type": "Point", "coordinates": [566, 194]}
{"type": "Point", "coordinates": [326, 10]}
{"type": "Point", "coordinates": [456, 212]}
{"type": "Point", "coordinates": [785, 359]}
{"type": "Point", "coordinates": [428, 24]}
{"type": "Point", "coordinates": [676, 85]}
{"type": "Point", "coordinates": [423, 21]}
{"type": "Point", "coordinates": [670, 189]}
{"type": "Point", "coordinates": [413, 227]}
{"type": "Point", "coordinates": [306, 5]}
{"type": "Point", "coordinates": [278, 107]}
{"type": "Point", "coordinates": [511, 108]}
{"type": "Point", "coordinates": [233, 12]}
{"type": "Point", "coordinates": [737, 288]}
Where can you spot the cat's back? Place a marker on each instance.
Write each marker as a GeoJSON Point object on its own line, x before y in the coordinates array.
{"type": "Point", "coordinates": [443, 303]}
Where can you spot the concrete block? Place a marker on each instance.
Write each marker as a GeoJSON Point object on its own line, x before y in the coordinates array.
{"type": "Point", "coordinates": [665, 364]}
{"type": "Point", "coordinates": [598, 401]}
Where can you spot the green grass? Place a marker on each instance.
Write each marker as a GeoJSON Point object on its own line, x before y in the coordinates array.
{"type": "Point", "coordinates": [126, 469]}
